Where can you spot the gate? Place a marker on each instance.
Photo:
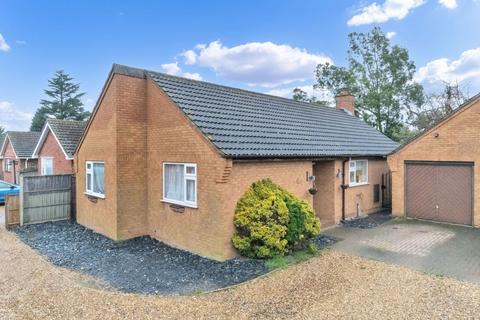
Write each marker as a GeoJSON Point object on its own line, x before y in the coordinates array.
{"type": "Point", "coordinates": [387, 190]}
{"type": "Point", "coordinates": [12, 210]}
{"type": "Point", "coordinates": [45, 198]}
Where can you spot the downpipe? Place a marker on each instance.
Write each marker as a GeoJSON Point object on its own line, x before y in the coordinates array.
{"type": "Point", "coordinates": [344, 187]}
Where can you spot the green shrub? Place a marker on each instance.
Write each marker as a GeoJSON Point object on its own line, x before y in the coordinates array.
{"type": "Point", "coordinates": [303, 223]}
{"type": "Point", "coordinates": [270, 221]}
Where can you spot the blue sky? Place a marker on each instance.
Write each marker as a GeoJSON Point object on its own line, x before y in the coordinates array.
{"type": "Point", "coordinates": [266, 46]}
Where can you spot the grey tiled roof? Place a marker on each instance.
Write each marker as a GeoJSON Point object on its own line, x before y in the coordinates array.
{"type": "Point", "coordinates": [23, 142]}
{"type": "Point", "coordinates": [244, 124]}
{"type": "Point", "coordinates": [68, 133]}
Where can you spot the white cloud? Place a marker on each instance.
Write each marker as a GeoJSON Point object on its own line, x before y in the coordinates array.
{"type": "Point", "coordinates": [12, 118]}
{"type": "Point", "coordinates": [175, 70]}
{"type": "Point", "coordinates": [190, 57]}
{"type": "Point", "coordinates": [449, 4]}
{"type": "Point", "coordinates": [465, 68]}
{"type": "Point", "coordinates": [320, 94]}
{"type": "Point", "coordinates": [390, 9]}
{"type": "Point", "coordinates": [171, 68]}
{"type": "Point", "coordinates": [257, 63]}
{"type": "Point", "coordinates": [22, 42]}
{"type": "Point", "coordinates": [391, 34]}
{"type": "Point", "coordinates": [193, 76]}
{"type": "Point", "coordinates": [3, 44]}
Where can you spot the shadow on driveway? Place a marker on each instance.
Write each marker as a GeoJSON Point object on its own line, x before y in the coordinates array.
{"type": "Point", "coordinates": [440, 249]}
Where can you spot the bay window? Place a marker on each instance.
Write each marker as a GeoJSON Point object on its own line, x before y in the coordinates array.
{"type": "Point", "coordinates": [180, 183]}
{"type": "Point", "coordinates": [95, 178]}
{"type": "Point", "coordinates": [358, 172]}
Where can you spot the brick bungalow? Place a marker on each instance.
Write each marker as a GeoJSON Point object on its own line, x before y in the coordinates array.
{"type": "Point", "coordinates": [169, 157]}
{"type": "Point", "coordinates": [17, 152]}
{"type": "Point", "coordinates": [436, 175]}
{"type": "Point", "coordinates": [56, 145]}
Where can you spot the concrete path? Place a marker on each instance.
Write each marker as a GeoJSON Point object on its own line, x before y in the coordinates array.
{"type": "Point", "coordinates": [440, 249]}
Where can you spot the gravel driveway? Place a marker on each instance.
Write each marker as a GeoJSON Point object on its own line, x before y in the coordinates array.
{"type": "Point", "coordinates": [331, 286]}
{"type": "Point", "coordinates": [2, 214]}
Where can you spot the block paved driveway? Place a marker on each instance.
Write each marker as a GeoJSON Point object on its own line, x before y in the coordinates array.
{"type": "Point", "coordinates": [440, 249]}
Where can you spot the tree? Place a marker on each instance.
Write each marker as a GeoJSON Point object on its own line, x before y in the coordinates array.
{"type": "Point", "coordinates": [438, 106]}
{"type": "Point", "coordinates": [300, 95]}
{"type": "Point", "coordinates": [64, 104]}
{"type": "Point", "coordinates": [380, 76]}
{"type": "Point", "coordinates": [2, 131]}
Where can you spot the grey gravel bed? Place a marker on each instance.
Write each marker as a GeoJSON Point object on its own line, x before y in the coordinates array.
{"type": "Point", "coordinates": [368, 222]}
{"type": "Point", "coordinates": [140, 265]}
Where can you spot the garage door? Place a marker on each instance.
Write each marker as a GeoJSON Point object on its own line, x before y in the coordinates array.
{"type": "Point", "coordinates": [439, 191]}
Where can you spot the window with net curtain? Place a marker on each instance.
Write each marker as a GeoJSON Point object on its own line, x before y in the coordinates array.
{"type": "Point", "coordinates": [180, 183]}
{"type": "Point", "coordinates": [358, 172]}
{"type": "Point", "coordinates": [95, 184]}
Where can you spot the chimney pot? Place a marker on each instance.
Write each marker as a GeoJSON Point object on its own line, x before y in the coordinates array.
{"type": "Point", "coordinates": [345, 101]}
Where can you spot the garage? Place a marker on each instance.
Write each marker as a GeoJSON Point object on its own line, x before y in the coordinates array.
{"type": "Point", "coordinates": [439, 191]}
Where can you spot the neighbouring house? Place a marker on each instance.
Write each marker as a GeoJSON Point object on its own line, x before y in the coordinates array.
{"type": "Point", "coordinates": [56, 145]}
{"type": "Point", "coordinates": [436, 175]}
{"type": "Point", "coordinates": [17, 152]}
{"type": "Point", "coordinates": [169, 157]}
{"type": "Point", "coordinates": [2, 140]}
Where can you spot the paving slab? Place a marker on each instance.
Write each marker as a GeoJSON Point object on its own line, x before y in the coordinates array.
{"type": "Point", "coordinates": [435, 248]}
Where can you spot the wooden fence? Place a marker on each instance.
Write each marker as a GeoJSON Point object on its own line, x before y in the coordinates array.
{"type": "Point", "coordinates": [45, 198]}
{"type": "Point", "coordinates": [12, 210]}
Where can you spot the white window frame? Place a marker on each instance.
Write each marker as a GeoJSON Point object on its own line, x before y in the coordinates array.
{"type": "Point", "coordinates": [43, 165]}
{"type": "Point", "coordinates": [8, 165]}
{"type": "Point", "coordinates": [186, 177]}
{"type": "Point", "coordinates": [355, 183]}
{"type": "Point", "coordinates": [90, 171]}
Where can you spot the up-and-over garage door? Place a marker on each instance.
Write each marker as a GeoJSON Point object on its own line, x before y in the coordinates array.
{"type": "Point", "coordinates": [440, 191]}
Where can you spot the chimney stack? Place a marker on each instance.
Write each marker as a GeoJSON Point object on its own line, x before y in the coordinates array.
{"type": "Point", "coordinates": [345, 101]}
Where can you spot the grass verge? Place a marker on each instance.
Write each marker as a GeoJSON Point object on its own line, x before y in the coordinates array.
{"type": "Point", "coordinates": [294, 258]}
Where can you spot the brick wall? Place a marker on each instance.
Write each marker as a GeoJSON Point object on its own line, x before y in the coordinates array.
{"type": "Point", "coordinates": [10, 154]}
{"type": "Point", "coordinates": [173, 138]}
{"type": "Point", "coordinates": [458, 140]}
{"type": "Point", "coordinates": [328, 201]}
{"type": "Point", "coordinates": [131, 142]}
{"type": "Point", "coordinates": [52, 149]}
{"type": "Point", "coordinates": [100, 144]}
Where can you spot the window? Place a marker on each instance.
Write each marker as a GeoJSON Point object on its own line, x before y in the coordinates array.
{"type": "Point", "coordinates": [47, 166]}
{"type": "Point", "coordinates": [8, 165]}
{"type": "Point", "coordinates": [95, 184]}
{"type": "Point", "coordinates": [180, 183]}
{"type": "Point", "coordinates": [358, 172]}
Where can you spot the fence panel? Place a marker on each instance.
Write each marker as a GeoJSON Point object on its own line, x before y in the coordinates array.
{"type": "Point", "coordinates": [12, 210]}
{"type": "Point", "coordinates": [46, 198]}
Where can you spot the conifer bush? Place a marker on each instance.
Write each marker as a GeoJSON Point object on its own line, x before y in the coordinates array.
{"type": "Point", "coordinates": [271, 221]}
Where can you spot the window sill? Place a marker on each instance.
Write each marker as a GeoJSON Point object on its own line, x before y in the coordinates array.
{"type": "Point", "coordinates": [180, 203]}
{"type": "Point", "coordinates": [100, 196]}
{"type": "Point", "coordinates": [358, 185]}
